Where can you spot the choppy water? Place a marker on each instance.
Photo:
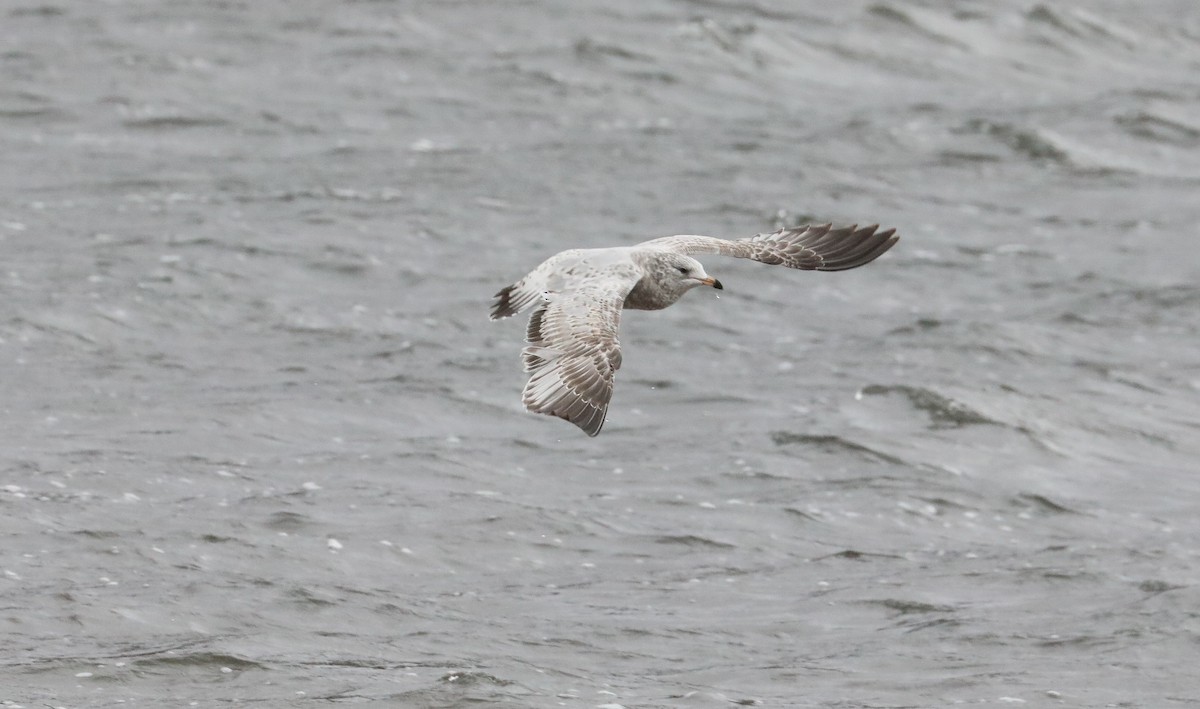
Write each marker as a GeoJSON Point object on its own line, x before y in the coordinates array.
{"type": "Point", "coordinates": [261, 445]}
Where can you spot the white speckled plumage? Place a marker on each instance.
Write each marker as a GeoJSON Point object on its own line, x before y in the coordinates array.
{"type": "Point", "coordinates": [572, 352]}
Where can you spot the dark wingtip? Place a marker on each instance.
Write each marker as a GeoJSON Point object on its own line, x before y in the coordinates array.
{"type": "Point", "coordinates": [862, 246]}
{"type": "Point", "coordinates": [590, 425]}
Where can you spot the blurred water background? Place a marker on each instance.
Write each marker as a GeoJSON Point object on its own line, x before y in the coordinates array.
{"type": "Point", "coordinates": [261, 445]}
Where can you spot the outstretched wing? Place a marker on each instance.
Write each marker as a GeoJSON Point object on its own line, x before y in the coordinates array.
{"type": "Point", "coordinates": [810, 248]}
{"type": "Point", "coordinates": [573, 352]}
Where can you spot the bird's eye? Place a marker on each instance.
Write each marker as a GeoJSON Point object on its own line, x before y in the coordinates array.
{"type": "Point", "coordinates": [682, 269]}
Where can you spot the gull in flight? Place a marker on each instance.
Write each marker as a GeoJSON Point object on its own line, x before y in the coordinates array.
{"type": "Point", "coordinates": [572, 351]}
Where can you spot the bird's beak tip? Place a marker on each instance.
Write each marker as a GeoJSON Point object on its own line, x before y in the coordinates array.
{"type": "Point", "coordinates": [717, 284]}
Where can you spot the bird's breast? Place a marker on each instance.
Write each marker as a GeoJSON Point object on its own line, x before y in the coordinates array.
{"type": "Point", "coordinates": [648, 295]}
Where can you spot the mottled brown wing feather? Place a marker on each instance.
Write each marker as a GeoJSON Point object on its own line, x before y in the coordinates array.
{"type": "Point", "coordinates": [573, 354]}
{"type": "Point", "coordinates": [809, 248]}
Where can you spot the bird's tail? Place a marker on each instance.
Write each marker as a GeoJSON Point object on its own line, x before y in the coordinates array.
{"type": "Point", "coordinates": [512, 300]}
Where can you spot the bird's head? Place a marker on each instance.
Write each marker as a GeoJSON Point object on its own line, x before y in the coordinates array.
{"type": "Point", "coordinates": [687, 273]}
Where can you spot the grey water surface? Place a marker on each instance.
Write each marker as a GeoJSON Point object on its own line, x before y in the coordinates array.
{"type": "Point", "coordinates": [260, 444]}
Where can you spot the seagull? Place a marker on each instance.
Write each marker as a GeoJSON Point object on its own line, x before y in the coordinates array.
{"type": "Point", "coordinates": [572, 353]}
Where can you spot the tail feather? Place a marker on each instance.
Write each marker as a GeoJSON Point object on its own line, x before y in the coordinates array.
{"type": "Point", "coordinates": [511, 300]}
